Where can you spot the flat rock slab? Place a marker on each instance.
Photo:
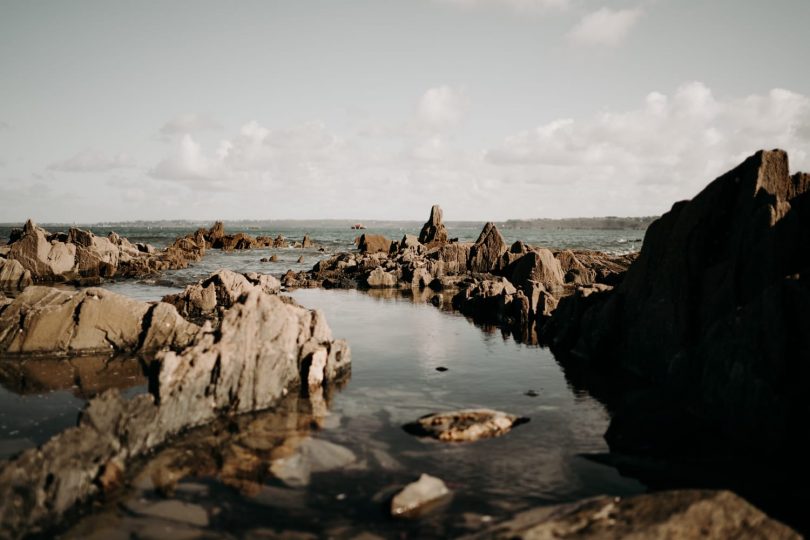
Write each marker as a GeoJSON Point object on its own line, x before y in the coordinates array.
{"type": "Point", "coordinates": [419, 497]}
{"type": "Point", "coordinates": [464, 425]}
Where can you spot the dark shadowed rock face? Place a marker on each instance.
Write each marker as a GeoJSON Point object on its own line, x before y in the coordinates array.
{"type": "Point", "coordinates": [715, 308]}
{"type": "Point", "coordinates": [486, 252]}
{"type": "Point", "coordinates": [264, 348]}
{"type": "Point", "coordinates": [537, 265]}
{"type": "Point", "coordinates": [687, 514]}
{"type": "Point", "coordinates": [374, 243]}
{"type": "Point", "coordinates": [433, 232]}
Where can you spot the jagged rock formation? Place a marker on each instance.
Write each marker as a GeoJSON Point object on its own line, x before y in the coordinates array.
{"type": "Point", "coordinates": [714, 310]}
{"type": "Point", "coordinates": [515, 287]}
{"type": "Point", "coordinates": [433, 232]}
{"type": "Point", "coordinates": [487, 250]}
{"type": "Point", "coordinates": [80, 255]}
{"type": "Point", "coordinates": [46, 320]}
{"type": "Point", "coordinates": [210, 298]}
{"type": "Point", "coordinates": [685, 514]}
{"type": "Point", "coordinates": [264, 348]}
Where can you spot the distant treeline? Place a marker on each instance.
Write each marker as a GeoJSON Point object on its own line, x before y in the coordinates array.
{"type": "Point", "coordinates": [609, 223]}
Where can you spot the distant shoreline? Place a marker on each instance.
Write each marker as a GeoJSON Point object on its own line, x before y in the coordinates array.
{"type": "Point", "coordinates": [596, 223]}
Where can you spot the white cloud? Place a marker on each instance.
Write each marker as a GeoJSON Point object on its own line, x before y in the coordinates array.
{"type": "Point", "coordinates": [665, 150]}
{"type": "Point", "coordinates": [190, 123]}
{"type": "Point", "coordinates": [442, 107]}
{"type": "Point", "coordinates": [521, 6]}
{"type": "Point", "coordinates": [604, 27]}
{"type": "Point", "coordinates": [93, 161]}
{"type": "Point", "coordinates": [634, 162]}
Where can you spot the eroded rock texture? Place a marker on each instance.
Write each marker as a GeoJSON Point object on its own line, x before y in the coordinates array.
{"type": "Point", "coordinates": [264, 348]}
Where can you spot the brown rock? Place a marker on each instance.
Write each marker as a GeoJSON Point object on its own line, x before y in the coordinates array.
{"type": "Point", "coordinates": [307, 242]}
{"type": "Point", "coordinates": [537, 265]}
{"type": "Point", "coordinates": [374, 243]}
{"type": "Point", "coordinates": [379, 278]}
{"type": "Point", "coordinates": [685, 514]}
{"type": "Point", "coordinates": [13, 275]}
{"type": "Point", "coordinates": [433, 232]}
{"type": "Point", "coordinates": [465, 425]}
{"type": "Point", "coordinates": [487, 250]}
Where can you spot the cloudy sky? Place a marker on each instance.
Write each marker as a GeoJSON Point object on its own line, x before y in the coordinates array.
{"type": "Point", "coordinates": [355, 109]}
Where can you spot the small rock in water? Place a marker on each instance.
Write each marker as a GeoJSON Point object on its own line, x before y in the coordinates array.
{"type": "Point", "coordinates": [464, 425]}
{"type": "Point", "coordinates": [531, 393]}
{"type": "Point", "coordinates": [274, 258]}
{"type": "Point", "coordinates": [419, 497]}
{"type": "Point", "coordinates": [441, 368]}
{"type": "Point", "coordinates": [301, 259]}
{"type": "Point", "coordinates": [264, 259]}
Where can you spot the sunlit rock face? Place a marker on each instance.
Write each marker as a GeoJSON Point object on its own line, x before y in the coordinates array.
{"type": "Point", "coordinates": [263, 349]}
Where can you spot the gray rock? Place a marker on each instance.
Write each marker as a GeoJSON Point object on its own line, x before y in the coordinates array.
{"type": "Point", "coordinates": [13, 275]}
{"type": "Point", "coordinates": [418, 497]}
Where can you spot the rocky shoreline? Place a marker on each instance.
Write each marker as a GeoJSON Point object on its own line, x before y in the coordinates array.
{"type": "Point", "coordinates": [695, 344]}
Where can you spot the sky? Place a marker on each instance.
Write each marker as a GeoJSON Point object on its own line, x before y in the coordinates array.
{"type": "Point", "coordinates": [377, 109]}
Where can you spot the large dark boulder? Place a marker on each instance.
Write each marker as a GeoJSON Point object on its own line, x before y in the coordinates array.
{"type": "Point", "coordinates": [716, 307]}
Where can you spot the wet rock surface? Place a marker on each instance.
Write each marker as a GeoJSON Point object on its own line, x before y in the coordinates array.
{"type": "Point", "coordinates": [264, 349]}
{"type": "Point", "coordinates": [683, 514]}
{"type": "Point", "coordinates": [419, 497]}
{"type": "Point", "coordinates": [464, 426]}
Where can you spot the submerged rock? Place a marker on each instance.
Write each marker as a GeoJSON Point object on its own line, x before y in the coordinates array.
{"type": "Point", "coordinates": [419, 497]}
{"type": "Point", "coordinates": [685, 514]}
{"type": "Point", "coordinates": [464, 425]}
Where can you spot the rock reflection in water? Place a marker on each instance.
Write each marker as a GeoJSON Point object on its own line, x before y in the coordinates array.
{"type": "Point", "coordinates": [84, 376]}
{"type": "Point", "coordinates": [171, 490]}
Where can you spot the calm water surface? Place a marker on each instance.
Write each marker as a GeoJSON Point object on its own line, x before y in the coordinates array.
{"type": "Point", "coordinates": [397, 343]}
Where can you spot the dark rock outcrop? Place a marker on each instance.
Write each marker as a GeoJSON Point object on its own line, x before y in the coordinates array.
{"type": "Point", "coordinates": [374, 243]}
{"type": "Point", "coordinates": [686, 514]}
{"type": "Point", "coordinates": [487, 250]}
{"type": "Point", "coordinates": [433, 232]}
{"type": "Point", "coordinates": [714, 310]}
